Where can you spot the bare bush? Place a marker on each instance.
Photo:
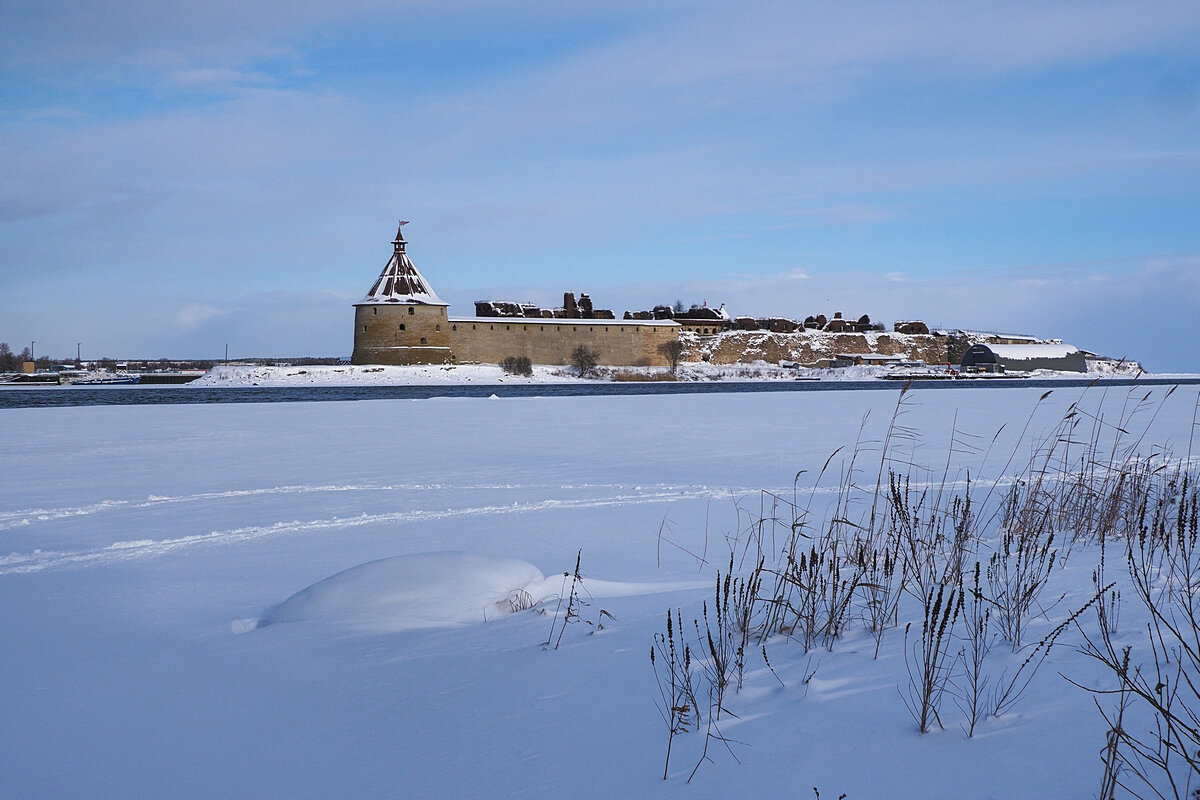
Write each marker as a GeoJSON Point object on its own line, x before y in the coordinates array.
{"type": "Point", "coordinates": [814, 595]}
{"type": "Point", "coordinates": [970, 691]}
{"type": "Point", "coordinates": [727, 635]}
{"type": "Point", "coordinates": [517, 365]}
{"type": "Point", "coordinates": [881, 586]}
{"type": "Point", "coordinates": [929, 660]}
{"type": "Point", "coordinates": [931, 536]}
{"type": "Point", "coordinates": [518, 600]}
{"type": "Point", "coordinates": [1020, 569]}
{"type": "Point", "coordinates": [574, 604]}
{"type": "Point", "coordinates": [629, 376]}
{"type": "Point", "coordinates": [878, 552]}
{"type": "Point", "coordinates": [1162, 683]}
{"type": "Point", "coordinates": [585, 361]}
{"type": "Point", "coordinates": [672, 351]}
{"type": "Point", "coordinates": [676, 683]}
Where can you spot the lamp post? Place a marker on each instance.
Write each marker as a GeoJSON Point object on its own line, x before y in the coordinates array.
{"type": "Point", "coordinates": [32, 357]}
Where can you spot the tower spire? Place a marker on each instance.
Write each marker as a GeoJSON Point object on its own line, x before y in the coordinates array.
{"type": "Point", "coordinates": [400, 281]}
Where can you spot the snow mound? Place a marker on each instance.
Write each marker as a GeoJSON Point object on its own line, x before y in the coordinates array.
{"type": "Point", "coordinates": [426, 590]}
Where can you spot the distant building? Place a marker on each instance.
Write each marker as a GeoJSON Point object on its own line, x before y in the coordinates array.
{"type": "Point", "coordinates": [1023, 358]}
{"type": "Point", "coordinates": [403, 321]}
{"type": "Point", "coordinates": [704, 320]}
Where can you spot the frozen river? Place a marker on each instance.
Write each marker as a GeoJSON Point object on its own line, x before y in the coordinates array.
{"type": "Point", "coordinates": [53, 396]}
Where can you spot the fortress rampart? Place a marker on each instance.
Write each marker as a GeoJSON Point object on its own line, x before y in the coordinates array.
{"type": "Point", "coordinates": [551, 341]}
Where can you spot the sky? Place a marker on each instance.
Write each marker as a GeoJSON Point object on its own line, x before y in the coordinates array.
{"type": "Point", "coordinates": [175, 178]}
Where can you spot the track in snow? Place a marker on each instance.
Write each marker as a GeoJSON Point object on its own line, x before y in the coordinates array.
{"type": "Point", "coordinates": [38, 560]}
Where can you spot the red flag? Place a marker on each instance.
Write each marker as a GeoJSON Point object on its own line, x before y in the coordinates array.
{"type": "Point", "coordinates": [403, 222]}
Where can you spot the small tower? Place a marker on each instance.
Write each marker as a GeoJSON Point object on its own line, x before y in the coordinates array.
{"type": "Point", "coordinates": [401, 320]}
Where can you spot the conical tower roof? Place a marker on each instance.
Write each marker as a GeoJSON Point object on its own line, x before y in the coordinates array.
{"type": "Point", "coordinates": [401, 281]}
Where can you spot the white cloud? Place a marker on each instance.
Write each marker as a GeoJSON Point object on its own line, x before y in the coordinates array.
{"type": "Point", "coordinates": [193, 315]}
{"type": "Point", "coordinates": [222, 79]}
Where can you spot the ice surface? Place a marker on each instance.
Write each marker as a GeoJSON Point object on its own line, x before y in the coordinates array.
{"type": "Point", "coordinates": [133, 535]}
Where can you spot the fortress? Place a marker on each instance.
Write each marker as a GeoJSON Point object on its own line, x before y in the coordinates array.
{"type": "Point", "coordinates": [403, 321]}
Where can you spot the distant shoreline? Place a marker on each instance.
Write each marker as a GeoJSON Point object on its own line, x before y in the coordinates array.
{"type": "Point", "coordinates": [67, 396]}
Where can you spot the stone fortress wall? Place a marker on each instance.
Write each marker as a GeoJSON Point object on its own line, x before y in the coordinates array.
{"type": "Point", "coordinates": [489, 340]}
{"type": "Point", "coordinates": [412, 333]}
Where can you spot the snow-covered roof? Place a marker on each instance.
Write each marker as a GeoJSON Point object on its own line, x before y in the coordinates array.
{"type": "Point", "coordinates": [870, 358]}
{"type": "Point", "coordinates": [401, 281]}
{"type": "Point", "coordinates": [1025, 352]}
{"type": "Point", "coordinates": [578, 321]}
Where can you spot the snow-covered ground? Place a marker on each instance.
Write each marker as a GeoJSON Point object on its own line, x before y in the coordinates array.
{"type": "Point", "coordinates": [487, 374]}
{"type": "Point", "coordinates": [436, 374]}
{"type": "Point", "coordinates": [350, 375]}
{"type": "Point", "coordinates": [317, 599]}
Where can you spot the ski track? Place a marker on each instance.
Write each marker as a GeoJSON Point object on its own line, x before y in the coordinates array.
{"type": "Point", "coordinates": [20, 518]}
{"type": "Point", "coordinates": [39, 560]}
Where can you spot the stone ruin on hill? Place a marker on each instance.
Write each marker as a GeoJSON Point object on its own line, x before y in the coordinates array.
{"type": "Point", "coordinates": [818, 322]}
{"type": "Point", "coordinates": [703, 315]}
{"type": "Point", "coordinates": [570, 309]}
{"type": "Point", "coordinates": [913, 327]}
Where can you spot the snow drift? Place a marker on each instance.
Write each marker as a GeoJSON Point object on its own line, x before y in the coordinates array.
{"type": "Point", "coordinates": [426, 590]}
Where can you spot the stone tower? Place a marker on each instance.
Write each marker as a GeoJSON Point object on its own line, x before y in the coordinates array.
{"type": "Point", "coordinates": [401, 320]}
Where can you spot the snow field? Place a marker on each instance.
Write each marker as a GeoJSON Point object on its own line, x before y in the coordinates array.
{"type": "Point", "coordinates": [134, 537]}
{"type": "Point", "coordinates": [487, 374]}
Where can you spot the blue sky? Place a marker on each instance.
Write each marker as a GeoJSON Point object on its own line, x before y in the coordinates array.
{"type": "Point", "coordinates": [177, 176]}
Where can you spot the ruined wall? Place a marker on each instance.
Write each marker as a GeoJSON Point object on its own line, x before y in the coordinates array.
{"type": "Point", "coordinates": [809, 347]}
{"type": "Point", "coordinates": [403, 333]}
{"type": "Point", "coordinates": [551, 341]}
